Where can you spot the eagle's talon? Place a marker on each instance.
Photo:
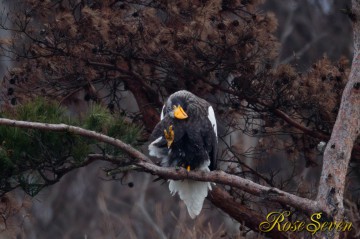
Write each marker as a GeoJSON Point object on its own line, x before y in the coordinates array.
{"type": "Point", "coordinates": [169, 136]}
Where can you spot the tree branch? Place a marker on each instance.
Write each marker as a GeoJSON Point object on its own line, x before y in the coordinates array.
{"type": "Point", "coordinates": [145, 95]}
{"type": "Point", "coordinates": [249, 218]}
{"type": "Point", "coordinates": [279, 113]}
{"type": "Point", "coordinates": [267, 193]}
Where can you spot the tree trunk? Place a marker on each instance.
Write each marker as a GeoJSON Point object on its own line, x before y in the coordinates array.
{"type": "Point", "coordinates": [346, 130]}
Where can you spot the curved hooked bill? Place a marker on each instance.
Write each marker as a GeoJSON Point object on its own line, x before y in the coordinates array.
{"type": "Point", "coordinates": [179, 112]}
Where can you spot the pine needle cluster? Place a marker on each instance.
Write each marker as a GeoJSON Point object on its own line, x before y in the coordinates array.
{"type": "Point", "coordinates": [32, 159]}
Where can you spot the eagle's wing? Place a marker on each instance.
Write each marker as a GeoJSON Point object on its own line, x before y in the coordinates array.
{"type": "Point", "coordinates": [209, 136]}
{"type": "Point", "coordinates": [202, 136]}
{"type": "Point", "coordinates": [212, 138]}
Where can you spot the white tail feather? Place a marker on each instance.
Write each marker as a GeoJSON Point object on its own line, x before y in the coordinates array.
{"type": "Point", "coordinates": [193, 193]}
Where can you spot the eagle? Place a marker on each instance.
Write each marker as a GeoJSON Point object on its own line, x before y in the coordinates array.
{"type": "Point", "coordinates": [186, 136]}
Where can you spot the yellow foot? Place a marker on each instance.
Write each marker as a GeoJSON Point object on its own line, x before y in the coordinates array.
{"type": "Point", "coordinates": [169, 136]}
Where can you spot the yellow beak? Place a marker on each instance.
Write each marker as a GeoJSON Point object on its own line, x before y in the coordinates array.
{"type": "Point", "coordinates": [179, 112]}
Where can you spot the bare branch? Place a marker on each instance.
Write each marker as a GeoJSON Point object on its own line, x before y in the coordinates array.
{"type": "Point", "coordinates": [267, 193]}
{"type": "Point", "coordinates": [281, 114]}
{"type": "Point", "coordinates": [224, 201]}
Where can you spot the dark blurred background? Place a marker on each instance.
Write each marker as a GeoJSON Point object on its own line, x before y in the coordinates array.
{"type": "Point", "coordinates": [310, 29]}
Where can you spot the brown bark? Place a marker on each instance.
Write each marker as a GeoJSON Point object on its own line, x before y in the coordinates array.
{"type": "Point", "coordinates": [346, 130]}
{"type": "Point", "coordinates": [144, 95]}
{"type": "Point", "coordinates": [150, 116]}
{"type": "Point", "coordinates": [249, 218]}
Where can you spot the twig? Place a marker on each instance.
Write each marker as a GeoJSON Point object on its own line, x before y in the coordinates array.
{"type": "Point", "coordinates": [122, 170]}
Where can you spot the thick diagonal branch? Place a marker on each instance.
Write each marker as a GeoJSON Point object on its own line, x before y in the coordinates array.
{"type": "Point", "coordinates": [223, 200]}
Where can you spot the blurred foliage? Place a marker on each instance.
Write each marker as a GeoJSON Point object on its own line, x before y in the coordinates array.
{"type": "Point", "coordinates": [222, 50]}
{"type": "Point", "coordinates": [32, 159]}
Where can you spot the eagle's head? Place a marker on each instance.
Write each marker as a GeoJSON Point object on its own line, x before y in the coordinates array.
{"type": "Point", "coordinates": [177, 105]}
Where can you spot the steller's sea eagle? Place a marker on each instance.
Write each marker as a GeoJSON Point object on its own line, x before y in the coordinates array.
{"type": "Point", "coordinates": [186, 137]}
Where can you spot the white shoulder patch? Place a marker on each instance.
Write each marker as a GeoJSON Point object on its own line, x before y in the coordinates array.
{"type": "Point", "coordinates": [162, 113]}
{"type": "Point", "coordinates": [211, 116]}
{"type": "Point", "coordinates": [154, 150]}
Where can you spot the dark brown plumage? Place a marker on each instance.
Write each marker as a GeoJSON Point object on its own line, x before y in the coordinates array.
{"type": "Point", "coordinates": [186, 137]}
{"type": "Point", "coordinates": [195, 137]}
